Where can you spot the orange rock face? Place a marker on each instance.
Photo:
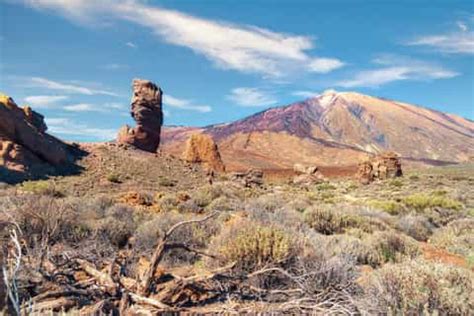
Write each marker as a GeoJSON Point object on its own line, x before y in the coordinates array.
{"type": "Point", "coordinates": [24, 144]}
{"type": "Point", "coordinates": [384, 166]}
{"type": "Point", "coordinates": [147, 113]}
{"type": "Point", "coordinates": [201, 148]}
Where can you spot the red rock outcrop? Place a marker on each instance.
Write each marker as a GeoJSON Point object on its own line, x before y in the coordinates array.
{"type": "Point", "coordinates": [384, 166]}
{"type": "Point", "coordinates": [147, 112]}
{"type": "Point", "coordinates": [201, 148]}
{"type": "Point", "coordinates": [23, 140]}
{"type": "Point", "coordinates": [307, 175]}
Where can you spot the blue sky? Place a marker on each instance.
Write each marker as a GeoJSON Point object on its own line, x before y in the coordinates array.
{"type": "Point", "coordinates": [217, 61]}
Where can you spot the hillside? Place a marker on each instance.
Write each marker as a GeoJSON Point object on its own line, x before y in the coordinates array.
{"type": "Point", "coordinates": [336, 129]}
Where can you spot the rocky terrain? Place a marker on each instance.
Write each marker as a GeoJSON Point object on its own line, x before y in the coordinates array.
{"type": "Point", "coordinates": [141, 231]}
{"type": "Point", "coordinates": [26, 150]}
{"type": "Point", "coordinates": [335, 129]}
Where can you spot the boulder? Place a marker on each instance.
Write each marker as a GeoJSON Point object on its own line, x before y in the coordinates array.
{"type": "Point", "coordinates": [384, 166]}
{"type": "Point", "coordinates": [26, 128]}
{"type": "Point", "coordinates": [146, 110]}
{"type": "Point", "coordinates": [201, 148]}
{"type": "Point", "coordinates": [249, 179]}
{"type": "Point", "coordinates": [307, 175]}
{"type": "Point", "coordinates": [25, 147]}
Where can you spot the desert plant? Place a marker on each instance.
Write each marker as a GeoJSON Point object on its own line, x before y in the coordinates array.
{"type": "Point", "coordinates": [416, 226]}
{"type": "Point", "coordinates": [456, 237]}
{"type": "Point", "coordinates": [389, 206]}
{"type": "Point", "coordinates": [422, 201]}
{"type": "Point", "coordinates": [418, 287]}
{"type": "Point", "coordinates": [113, 178]}
{"type": "Point", "coordinates": [252, 246]}
{"type": "Point", "coordinates": [42, 188]}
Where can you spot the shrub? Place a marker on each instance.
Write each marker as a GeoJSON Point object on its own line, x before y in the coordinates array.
{"type": "Point", "coordinates": [396, 183]}
{"type": "Point", "coordinates": [196, 235]}
{"type": "Point", "coordinates": [389, 247]}
{"type": "Point", "coordinates": [166, 182]}
{"type": "Point", "coordinates": [417, 227]}
{"type": "Point", "coordinates": [42, 188]}
{"type": "Point", "coordinates": [204, 196]}
{"type": "Point", "coordinates": [253, 246]}
{"type": "Point", "coordinates": [421, 201]}
{"type": "Point", "coordinates": [372, 249]}
{"type": "Point", "coordinates": [325, 186]}
{"type": "Point", "coordinates": [456, 237]}
{"type": "Point", "coordinates": [113, 178]}
{"type": "Point", "coordinates": [391, 207]}
{"type": "Point", "coordinates": [420, 288]}
{"type": "Point", "coordinates": [327, 221]}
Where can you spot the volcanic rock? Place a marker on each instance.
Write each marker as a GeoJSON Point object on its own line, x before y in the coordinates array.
{"type": "Point", "coordinates": [384, 166]}
{"type": "Point", "coordinates": [307, 175]}
{"type": "Point", "coordinates": [249, 179]}
{"type": "Point", "coordinates": [201, 148]}
{"type": "Point", "coordinates": [146, 110]}
{"type": "Point", "coordinates": [26, 150]}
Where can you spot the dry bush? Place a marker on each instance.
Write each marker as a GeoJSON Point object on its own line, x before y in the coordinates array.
{"type": "Point", "coordinates": [265, 203]}
{"type": "Point", "coordinates": [253, 246]}
{"type": "Point", "coordinates": [416, 226]}
{"type": "Point", "coordinates": [371, 249]}
{"type": "Point", "coordinates": [419, 287]}
{"type": "Point", "coordinates": [389, 247]}
{"type": "Point", "coordinates": [328, 221]}
{"type": "Point", "coordinates": [43, 218]}
{"type": "Point", "coordinates": [197, 236]}
{"type": "Point", "coordinates": [457, 237]}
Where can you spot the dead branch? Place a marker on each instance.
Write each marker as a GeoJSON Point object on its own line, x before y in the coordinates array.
{"type": "Point", "coordinates": [160, 251]}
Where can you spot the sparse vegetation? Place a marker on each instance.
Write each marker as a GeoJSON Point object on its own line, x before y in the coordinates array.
{"type": "Point", "coordinates": [342, 247]}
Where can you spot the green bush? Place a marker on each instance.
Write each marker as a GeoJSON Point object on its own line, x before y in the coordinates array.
{"type": "Point", "coordinates": [253, 246]}
{"type": "Point", "coordinates": [327, 221]}
{"type": "Point", "coordinates": [421, 201]}
{"type": "Point", "coordinates": [113, 178]}
{"type": "Point", "coordinates": [391, 207]}
{"type": "Point", "coordinates": [41, 188]}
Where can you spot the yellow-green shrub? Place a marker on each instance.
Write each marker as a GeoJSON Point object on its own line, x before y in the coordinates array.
{"type": "Point", "coordinates": [253, 246]}
{"type": "Point", "coordinates": [421, 201]}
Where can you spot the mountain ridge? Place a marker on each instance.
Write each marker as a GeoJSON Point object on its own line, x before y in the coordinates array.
{"type": "Point", "coordinates": [349, 122]}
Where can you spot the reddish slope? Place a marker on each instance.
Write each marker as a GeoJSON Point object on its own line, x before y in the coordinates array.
{"type": "Point", "coordinates": [336, 129]}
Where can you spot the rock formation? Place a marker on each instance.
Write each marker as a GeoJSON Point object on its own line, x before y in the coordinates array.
{"type": "Point", "coordinates": [307, 175]}
{"type": "Point", "coordinates": [201, 148]}
{"type": "Point", "coordinates": [383, 166]}
{"type": "Point", "coordinates": [147, 112]}
{"type": "Point", "coordinates": [249, 179]}
{"type": "Point", "coordinates": [25, 147]}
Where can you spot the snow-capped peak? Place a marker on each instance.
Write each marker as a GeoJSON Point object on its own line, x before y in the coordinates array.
{"type": "Point", "coordinates": [327, 97]}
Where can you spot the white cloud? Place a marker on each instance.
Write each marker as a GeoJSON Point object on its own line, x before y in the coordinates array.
{"type": "Point", "coordinates": [131, 45]}
{"type": "Point", "coordinates": [81, 107]}
{"type": "Point", "coordinates": [247, 49]}
{"type": "Point", "coordinates": [251, 97]}
{"type": "Point", "coordinates": [44, 101]}
{"type": "Point", "coordinates": [114, 66]}
{"type": "Point", "coordinates": [325, 65]}
{"type": "Point", "coordinates": [397, 68]}
{"type": "Point", "coordinates": [305, 94]}
{"type": "Point", "coordinates": [66, 87]}
{"type": "Point", "coordinates": [66, 127]}
{"type": "Point", "coordinates": [458, 42]}
{"type": "Point", "coordinates": [184, 104]}
{"type": "Point", "coordinates": [88, 107]}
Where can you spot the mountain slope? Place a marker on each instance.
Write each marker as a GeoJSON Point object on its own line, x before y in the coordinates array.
{"type": "Point", "coordinates": [335, 129]}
